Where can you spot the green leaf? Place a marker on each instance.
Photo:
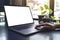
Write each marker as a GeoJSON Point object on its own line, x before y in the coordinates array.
{"type": "Point", "coordinates": [59, 18]}
{"type": "Point", "coordinates": [46, 6]}
{"type": "Point", "coordinates": [52, 17]}
{"type": "Point", "coordinates": [50, 11]}
{"type": "Point", "coordinates": [43, 12]}
{"type": "Point", "coordinates": [57, 21]}
{"type": "Point", "coordinates": [41, 8]}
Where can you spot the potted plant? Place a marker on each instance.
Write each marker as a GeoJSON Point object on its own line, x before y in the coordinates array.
{"type": "Point", "coordinates": [57, 21]}
{"type": "Point", "coordinates": [44, 12]}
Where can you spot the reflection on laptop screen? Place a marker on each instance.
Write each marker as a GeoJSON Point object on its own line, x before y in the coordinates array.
{"type": "Point", "coordinates": [17, 15]}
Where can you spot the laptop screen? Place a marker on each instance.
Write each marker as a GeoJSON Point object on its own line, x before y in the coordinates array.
{"type": "Point", "coordinates": [17, 15]}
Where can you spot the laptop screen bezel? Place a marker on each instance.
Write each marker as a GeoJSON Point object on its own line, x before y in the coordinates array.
{"type": "Point", "coordinates": [6, 22]}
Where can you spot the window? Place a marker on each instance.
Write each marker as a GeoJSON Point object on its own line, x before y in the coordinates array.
{"type": "Point", "coordinates": [57, 9]}
{"type": "Point", "coordinates": [35, 6]}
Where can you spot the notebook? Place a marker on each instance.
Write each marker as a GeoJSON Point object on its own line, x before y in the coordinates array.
{"type": "Point", "coordinates": [19, 19]}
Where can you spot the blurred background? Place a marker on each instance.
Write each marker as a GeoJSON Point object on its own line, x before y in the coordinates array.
{"type": "Point", "coordinates": [3, 31]}
{"type": "Point", "coordinates": [34, 4]}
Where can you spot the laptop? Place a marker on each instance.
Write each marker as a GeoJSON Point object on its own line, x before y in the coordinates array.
{"type": "Point", "coordinates": [19, 19]}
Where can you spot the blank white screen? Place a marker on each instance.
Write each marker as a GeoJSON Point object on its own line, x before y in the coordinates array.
{"type": "Point", "coordinates": [17, 15]}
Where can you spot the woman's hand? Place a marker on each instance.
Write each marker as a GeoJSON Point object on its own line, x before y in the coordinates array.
{"type": "Point", "coordinates": [45, 26]}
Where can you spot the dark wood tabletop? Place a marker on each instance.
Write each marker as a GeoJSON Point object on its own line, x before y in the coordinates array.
{"type": "Point", "coordinates": [10, 35]}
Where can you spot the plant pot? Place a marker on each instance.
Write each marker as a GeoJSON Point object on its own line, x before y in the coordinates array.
{"type": "Point", "coordinates": [47, 20]}
{"type": "Point", "coordinates": [43, 20]}
{"type": "Point", "coordinates": [40, 18]}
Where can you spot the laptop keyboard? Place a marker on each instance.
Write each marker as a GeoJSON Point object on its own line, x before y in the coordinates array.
{"type": "Point", "coordinates": [25, 26]}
